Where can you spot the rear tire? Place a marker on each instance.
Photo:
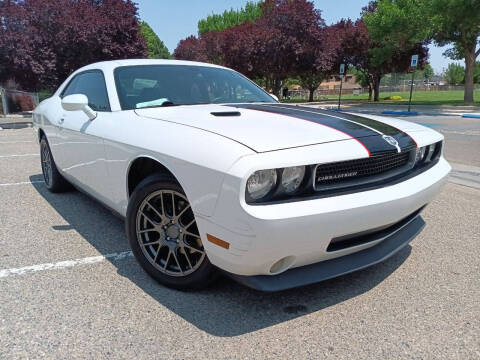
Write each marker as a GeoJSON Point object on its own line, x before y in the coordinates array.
{"type": "Point", "coordinates": [53, 180]}
{"type": "Point", "coordinates": [164, 237]}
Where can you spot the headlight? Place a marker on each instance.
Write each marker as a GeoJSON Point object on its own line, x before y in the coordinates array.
{"type": "Point", "coordinates": [292, 178]}
{"type": "Point", "coordinates": [420, 154]}
{"type": "Point", "coordinates": [428, 154]}
{"type": "Point", "coordinates": [261, 183]}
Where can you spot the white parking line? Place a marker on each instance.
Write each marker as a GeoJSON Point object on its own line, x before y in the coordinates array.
{"type": "Point", "coordinates": [64, 264]}
{"type": "Point", "coordinates": [14, 142]}
{"type": "Point", "coordinates": [23, 183]}
{"type": "Point", "coordinates": [18, 155]}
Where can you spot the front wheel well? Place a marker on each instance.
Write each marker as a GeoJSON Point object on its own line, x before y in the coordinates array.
{"type": "Point", "coordinates": [141, 168]}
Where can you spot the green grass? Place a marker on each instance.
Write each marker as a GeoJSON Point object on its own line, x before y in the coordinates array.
{"type": "Point", "coordinates": [448, 97]}
{"type": "Point", "coordinates": [42, 95]}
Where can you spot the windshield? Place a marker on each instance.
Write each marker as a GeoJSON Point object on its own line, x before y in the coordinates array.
{"type": "Point", "coordinates": [166, 85]}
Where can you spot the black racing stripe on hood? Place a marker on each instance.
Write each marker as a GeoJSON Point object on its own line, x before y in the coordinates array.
{"type": "Point", "coordinates": [404, 140]}
{"type": "Point", "coordinates": [358, 127]}
{"type": "Point", "coordinates": [352, 129]}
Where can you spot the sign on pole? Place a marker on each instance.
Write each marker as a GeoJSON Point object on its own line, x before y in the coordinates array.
{"type": "Point", "coordinates": [342, 71]}
{"type": "Point", "coordinates": [414, 62]}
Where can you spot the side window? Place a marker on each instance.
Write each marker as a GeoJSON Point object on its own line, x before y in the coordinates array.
{"type": "Point", "coordinates": [91, 84]}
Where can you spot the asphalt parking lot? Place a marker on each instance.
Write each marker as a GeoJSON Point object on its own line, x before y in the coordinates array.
{"type": "Point", "coordinates": [69, 287]}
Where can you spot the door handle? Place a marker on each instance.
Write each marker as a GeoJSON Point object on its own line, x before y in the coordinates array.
{"type": "Point", "coordinates": [61, 121]}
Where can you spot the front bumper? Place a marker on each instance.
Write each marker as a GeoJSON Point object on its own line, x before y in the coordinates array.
{"type": "Point", "coordinates": [310, 274]}
{"type": "Point", "coordinates": [260, 236]}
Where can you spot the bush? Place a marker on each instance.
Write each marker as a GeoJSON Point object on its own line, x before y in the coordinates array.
{"type": "Point", "coordinates": [394, 97]}
{"type": "Point", "coordinates": [18, 102]}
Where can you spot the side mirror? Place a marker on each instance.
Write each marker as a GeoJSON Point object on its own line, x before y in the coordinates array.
{"type": "Point", "coordinates": [274, 96]}
{"type": "Point", "coordinates": [78, 102]}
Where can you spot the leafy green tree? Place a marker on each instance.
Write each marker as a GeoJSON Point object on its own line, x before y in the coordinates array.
{"type": "Point", "coordinates": [428, 72]}
{"type": "Point", "coordinates": [457, 22]}
{"type": "Point", "coordinates": [455, 74]}
{"type": "Point", "coordinates": [156, 49]}
{"type": "Point", "coordinates": [362, 79]}
{"type": "Point", "coordinates": [291, 81]}
{"type": "Point", "coordinates": [397, 30]}
{"type": "Point", "coordinates": [218, 22]}
{"type": "Point", "coordinates": [311, 81]}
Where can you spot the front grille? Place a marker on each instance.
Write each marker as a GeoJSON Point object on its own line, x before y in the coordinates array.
{"type": "Point", "coordinates": [355, 172]}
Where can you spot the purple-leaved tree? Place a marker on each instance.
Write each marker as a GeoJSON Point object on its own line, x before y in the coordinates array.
{"type": "Point", "coordinates": [43, 41]}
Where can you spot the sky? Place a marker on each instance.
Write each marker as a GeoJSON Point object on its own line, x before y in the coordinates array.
{"type": "Point", "coordinates": [174, 20]}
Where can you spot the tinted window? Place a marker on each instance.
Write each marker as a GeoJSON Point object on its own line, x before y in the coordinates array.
{"type": "Point", "coordinates": [91, 84]}
{"type": "Point", "coordinates": [153, 85]}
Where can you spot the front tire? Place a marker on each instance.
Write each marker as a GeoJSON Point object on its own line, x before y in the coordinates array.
{"type": "Point", "coordinates": [53, 180]}
{"type": "Point", "coordinates": [164, 237]}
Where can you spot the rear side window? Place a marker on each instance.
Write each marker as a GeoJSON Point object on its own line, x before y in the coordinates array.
{"type": "Point", "coordinates": [91, 84]}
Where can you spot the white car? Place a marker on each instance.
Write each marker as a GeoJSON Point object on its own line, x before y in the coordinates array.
{"type": "Point", "coordinates": [210, 172]}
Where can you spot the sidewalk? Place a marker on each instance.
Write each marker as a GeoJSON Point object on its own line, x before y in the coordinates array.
{"type": "Point", "coordinates": [428, 110]}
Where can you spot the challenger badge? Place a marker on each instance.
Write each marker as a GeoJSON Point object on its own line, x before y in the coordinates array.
{"type": "Point", "coordinates": [392, 142]}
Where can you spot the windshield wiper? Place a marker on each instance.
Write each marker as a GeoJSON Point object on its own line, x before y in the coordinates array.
{"type": "Point", "coordinates": [167, 103]}
{"type": "Point", "coordinates": [254, 101]}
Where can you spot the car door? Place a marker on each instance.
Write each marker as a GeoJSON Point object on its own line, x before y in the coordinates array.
{"type": "Point", "coordinates": [81, 153]}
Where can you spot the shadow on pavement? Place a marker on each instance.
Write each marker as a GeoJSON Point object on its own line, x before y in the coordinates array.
{"type": "Point", "coordinates": [225, 309]}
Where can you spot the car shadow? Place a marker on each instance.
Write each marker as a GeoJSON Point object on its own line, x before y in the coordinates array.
{"type": "Point", "coordinates": [226, 308]}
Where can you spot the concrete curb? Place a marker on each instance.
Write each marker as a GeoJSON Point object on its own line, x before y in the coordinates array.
{"type": "Point", "coordinates": [466, 175]}
{"type": "Point", "coordinates": [405, 113]}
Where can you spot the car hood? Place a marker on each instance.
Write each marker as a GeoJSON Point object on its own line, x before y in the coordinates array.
{"type": "Point", "coordinates": [269, 127]}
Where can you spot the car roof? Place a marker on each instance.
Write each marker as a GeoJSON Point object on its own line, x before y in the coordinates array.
{"type": "Point", "coordinates": [112, 64]}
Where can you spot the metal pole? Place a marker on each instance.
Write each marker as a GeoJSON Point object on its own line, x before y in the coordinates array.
{"type": "Point", "coordinates": [411, 89]}
{"type": "Point", "coordinates": [340, 95]}
{"type": "Point", "coordinates": [4, 101]}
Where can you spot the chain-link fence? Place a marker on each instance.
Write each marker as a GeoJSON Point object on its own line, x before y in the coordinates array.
{"type": "Point", "coordinates": [17, 101]}
{"type": "Point", "coordinates": [353, 93]}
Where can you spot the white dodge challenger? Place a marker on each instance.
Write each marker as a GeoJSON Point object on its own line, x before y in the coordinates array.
{"type": "Point", "coordinates": [210, 172]}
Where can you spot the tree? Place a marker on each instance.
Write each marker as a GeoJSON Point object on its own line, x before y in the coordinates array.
{"type": "Point", "coordinates": [353, 50]}
{"type": "Point", "coordinates": [311, 81]}
{"type": "Point", "coordinates": [455, 74]}
{"type": "Point", "coordinates": [428, 72]}
{"type": "Point", "coordinates": [457, 22]}
{"type": "Point", "coordinates": [156, 49]}
{"type": "Point", "coordinates": [212, 47]}
{"type": "Point", "coordinates": [285, 41]}
{"type": "Point", "coordinates": [323, 56]}
{"type": "Point", "coordinates": [216, 22]}
{"type": "Point", "coordinates": [397, 31]}
{"type": "Point", "coordinates": [292, 33]}
{"type": "Point", "coordinates": [44, 41]}
{"type": "Point", "coordinates": [362, 80]}
{"type": "Point", "coordinates": [191, 49]}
